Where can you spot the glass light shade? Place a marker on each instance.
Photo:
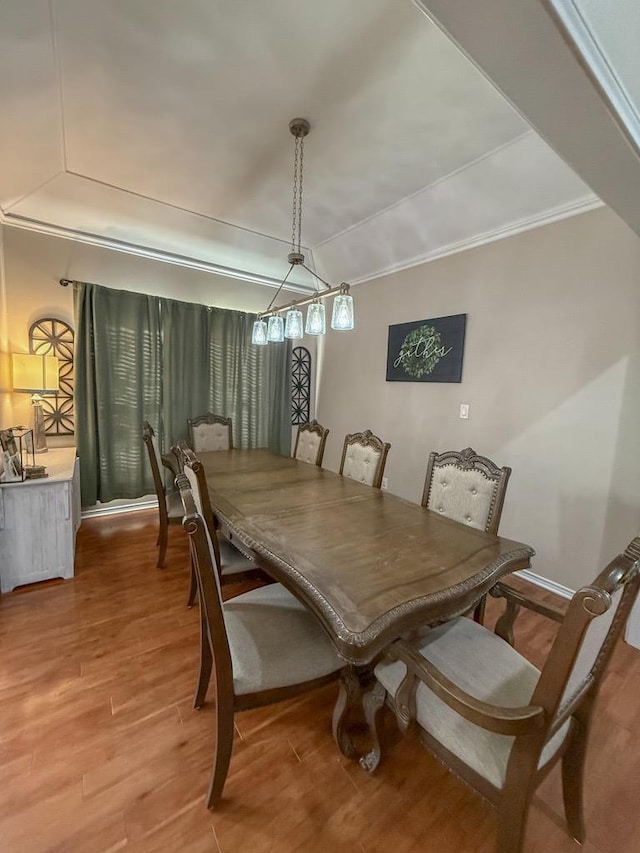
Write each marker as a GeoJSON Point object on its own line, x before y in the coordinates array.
{"type": "Point", "coordinates": [275, 329]}
{"type": "Point", "coordinates": [315, 319]}
{"type": "Point", "coordinates": [342, 317]}
{"type": "Point", "coordinates": [35, 374]}
{"type": "Point", "coordinates": [259, 334]}
{"type": "Point", "coordinates": [293, 325]}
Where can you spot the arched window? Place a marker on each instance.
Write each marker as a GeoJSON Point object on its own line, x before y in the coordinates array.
{"type": "Point", "coordinates": [50, 336]}
{"type": "Point", "coordinates": [300, 385]}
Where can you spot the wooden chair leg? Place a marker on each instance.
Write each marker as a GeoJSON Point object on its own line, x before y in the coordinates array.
{"type": "Point", "coordinates": [573, 762]}
{"type": "Point", "coordinates": [373, 703]}
{"type": "Point", "coordinates": [162, 544]}
{"type": "Point", "coordinates": [478, 612]}
{"type": "Point", "coordinates": [206, 664]}
{"type": "Point", "coordinates": [222, 750]}
{"type": "Point", "coordinates": [513, 812]}
{"type": "Point", "coordinates": [193, 586]}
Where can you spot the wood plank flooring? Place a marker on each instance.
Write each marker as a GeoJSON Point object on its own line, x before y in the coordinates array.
{"type": "Point", "coordinates": [100, 749]}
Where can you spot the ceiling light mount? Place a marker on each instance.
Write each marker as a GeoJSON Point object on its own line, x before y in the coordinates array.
{"type": "Point", "coordinates": [277, 328]}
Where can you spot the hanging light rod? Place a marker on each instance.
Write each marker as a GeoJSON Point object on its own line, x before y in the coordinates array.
{"type": "Point", "coordinates": [277, 329]}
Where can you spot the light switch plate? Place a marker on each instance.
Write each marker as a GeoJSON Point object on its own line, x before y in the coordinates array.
{"type": "Point", "coordinates": [464, 410]}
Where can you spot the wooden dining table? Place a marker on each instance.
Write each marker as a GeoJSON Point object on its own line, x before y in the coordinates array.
{"type": "Point", "coordinates": [371, 566]}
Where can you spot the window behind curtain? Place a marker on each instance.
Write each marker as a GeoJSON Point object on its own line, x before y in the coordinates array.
{"type": "Point", "coordinates": [146, 358]}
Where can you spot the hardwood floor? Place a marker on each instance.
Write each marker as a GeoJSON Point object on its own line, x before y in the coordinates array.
{"type": "Point", "coordinates": [100, 749]}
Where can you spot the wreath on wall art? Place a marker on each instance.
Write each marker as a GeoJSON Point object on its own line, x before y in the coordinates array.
{"type": "Point", "coordinates": [421, 350]}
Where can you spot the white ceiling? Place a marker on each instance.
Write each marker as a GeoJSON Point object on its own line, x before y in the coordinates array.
{"type": "Point", "coordinates": [163, 126]}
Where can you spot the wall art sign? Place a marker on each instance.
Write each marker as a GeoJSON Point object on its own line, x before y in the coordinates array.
{"type": "Point", "coordinates": [426, 350]}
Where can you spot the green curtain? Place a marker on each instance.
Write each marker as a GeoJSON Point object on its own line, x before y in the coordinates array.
{"type": "Point", "coordinates": [146, 358]}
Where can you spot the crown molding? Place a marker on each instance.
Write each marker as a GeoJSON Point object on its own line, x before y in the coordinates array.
{"type": "Point", "coordinates": [547, 218]}
{"type": "Point", "coordinates": [91, 239]}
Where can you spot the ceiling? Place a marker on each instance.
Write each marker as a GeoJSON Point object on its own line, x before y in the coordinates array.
{"type": "Point", "coordinates": [162, 127]}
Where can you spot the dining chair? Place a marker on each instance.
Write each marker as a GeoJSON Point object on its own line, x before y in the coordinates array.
{"type": "Point", "coordinates": [364, 456]}
{"type": "Point", "coordinates": [234, 566]}
{"type": "Point", "coordinates": [210, 432]}
{"type": "Point", "coordinates": [265, 644]}
{"type": "Point", "coordinates": [467, 488]}
{"type": "Point", "coordinates": [169, 506]}
{"type": "Point", "coordinates": [491, 716]}
{"type": "Point", "coordinates": [310, 442]}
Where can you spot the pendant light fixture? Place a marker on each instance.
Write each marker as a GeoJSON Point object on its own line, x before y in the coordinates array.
{"type": "Point", "coordinates": [270, 327]}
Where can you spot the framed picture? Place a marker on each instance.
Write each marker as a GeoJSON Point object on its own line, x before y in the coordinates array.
{"type": "Point", "coordinates": [426, 350]}
{"type": "Point", "coordinates": [8, 442]}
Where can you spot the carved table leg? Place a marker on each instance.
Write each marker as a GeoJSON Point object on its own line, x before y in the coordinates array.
{"type": "Point", "coordinates": [352, 683]}
{"type": "Point", "coordinates": [373, 703]}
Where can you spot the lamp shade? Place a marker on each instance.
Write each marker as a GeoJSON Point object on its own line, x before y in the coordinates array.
{"type": "Point", "coordinates": [315, 319]}
{"type": "Point", "coordinates": [275, 329]}
{"type": "Point", "coordinates": [293, 324]}
{"type": "Point", "coordinates": [259, 334]}
{"type": "Point", "coordinates": [35, 374]}
{"type": "Point", "coordinates": [342, 317]}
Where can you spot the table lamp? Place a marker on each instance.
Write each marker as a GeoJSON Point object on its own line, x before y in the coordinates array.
{"type": "Point", "coordinates": [36, 375]}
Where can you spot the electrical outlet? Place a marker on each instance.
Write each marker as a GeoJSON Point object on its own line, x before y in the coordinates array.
{"type": "Point", "coordinates": [464, 410]}
{"type": "Point", "coordinates": [385, 483]}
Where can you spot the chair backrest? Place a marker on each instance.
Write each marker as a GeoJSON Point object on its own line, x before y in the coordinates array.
{"type": "Point", "coordinates": [594, 620]}
{"type": "Point", "coordinates": [310, 442]}
{"type": "Point", "coordinates": [155, 459]}
{"type": "Point", "coordinates": [466, 487]}
{"type": "Point", "coordinates": [191, 467]}
{"type": "Point", "coordinates": [210, 432]}
{"type": "Point", "coordinates": [210, 592]}
{"type": "Point", "coordinates": [364, 456]}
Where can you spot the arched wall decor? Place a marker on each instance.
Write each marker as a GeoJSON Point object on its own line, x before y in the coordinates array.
{"type": "Point", "coordinates": [300, 385]}
{"type": "Point", "coordinates": [50, 336]}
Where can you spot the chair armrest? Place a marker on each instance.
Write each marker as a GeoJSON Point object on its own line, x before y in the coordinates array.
{"type": "Point", "coordinates": [494, 718]}
{"type": "Point", "coordinates": [170, 461]}
{"type": "Point", "coordinates": [515, 600]}
{"type": "Point", "coordinates": [501, 590]}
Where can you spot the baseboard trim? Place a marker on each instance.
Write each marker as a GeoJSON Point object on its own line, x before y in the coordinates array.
{"type": "Point", "coordinates": [544, 583]}
{"type": "Point", "coordinates": [96, 512]}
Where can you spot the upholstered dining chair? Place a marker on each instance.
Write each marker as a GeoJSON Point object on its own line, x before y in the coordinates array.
{"type": "Point", "coordinates": [310, 442]}
{"type": "Point", "coordinates": [266, 646]}
{"type": "Point", "coordinates": [364, 456]}
{"type": "Point", "coordinates": [233, 565]}
{"type": "Point", "coordinates": [491, 716]}
{"type": "Point", "coordinates": [169, 506]}
{"type": "Point", "coordinates": [210, 432]}
{"type": "Point", "coordinates": [467, 488]}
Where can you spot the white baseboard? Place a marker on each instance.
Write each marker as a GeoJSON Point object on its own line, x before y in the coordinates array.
{"type": "Point", "coordinates": [550, 586]}
{"type": "Point", "coordinates": [135, 506]}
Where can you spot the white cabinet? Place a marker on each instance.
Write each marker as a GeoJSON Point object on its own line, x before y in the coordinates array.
{"type": "Point", "coordinates": [38, 522]}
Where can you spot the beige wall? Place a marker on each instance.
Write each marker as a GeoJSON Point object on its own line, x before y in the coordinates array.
{"type": "Point", "coordinates": [29, 289]}
{"type": "Point", "coordinates": [551, 374]}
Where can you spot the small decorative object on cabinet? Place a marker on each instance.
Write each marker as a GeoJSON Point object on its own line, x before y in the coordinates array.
{"type": "Point", "coordinates": [17, 454]}
{"type": "Point", "coordinates": [39, 519]}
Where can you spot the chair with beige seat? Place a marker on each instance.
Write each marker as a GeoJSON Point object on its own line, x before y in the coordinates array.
{"type": "Point", "coordinates": [169, 506]}
{"type": "Point", "coordinates": [265, 644]}
{"type": "Point", "coordinates": [467, 488]}
{"type": "Point", "coordinates": [233, 565]}
{"type": "Point", "coordinates": [364, 456]}
{"type": "Point", "coordinates": [491, 716]}
{"type": "Point", "coordinates": [310, 442]}
{"type": "Point", "coordinates": [210, 432]}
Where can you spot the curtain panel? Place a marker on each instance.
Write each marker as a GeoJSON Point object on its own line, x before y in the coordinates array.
{"type": "Point", "coordinates": [148, 358]}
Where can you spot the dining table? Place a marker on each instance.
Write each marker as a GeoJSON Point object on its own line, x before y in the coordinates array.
{"type": "Point", "coordinates": [371, 566]}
